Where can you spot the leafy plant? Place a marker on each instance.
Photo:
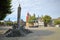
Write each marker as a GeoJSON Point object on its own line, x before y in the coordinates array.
{"type": "Point", "coordinates": [46, 19]}
{"type": "Point", "coordinates": [32, 19]}
{"type": "Point", "coordinates": [5, 8]}
{"type": "Point", "coordinates": [56, 22]}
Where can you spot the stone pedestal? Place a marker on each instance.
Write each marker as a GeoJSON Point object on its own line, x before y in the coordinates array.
{"type": "Point", "coordinates": [17, 33]}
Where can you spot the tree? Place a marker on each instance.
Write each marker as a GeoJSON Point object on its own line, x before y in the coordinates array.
{"type": "Point", "coordinates": [32, 19]}
{"type": "Point", "coordinates": [46, 19]}
{"type": "Point", "coordinates": [1, 23]}
{"type": "Point", "coordinates": [5, 8]}
{"type": "Point", "coordinates": [56, 22]}
{"type": "Point", "coordinates": [9, 23]}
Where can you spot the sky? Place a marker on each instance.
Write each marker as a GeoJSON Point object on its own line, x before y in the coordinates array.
{"type": "Point", "coordinates": [39, 7]}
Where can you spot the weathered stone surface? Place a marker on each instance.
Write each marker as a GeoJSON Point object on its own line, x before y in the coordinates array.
{"type": "Point", "coordinates": [17, 33]}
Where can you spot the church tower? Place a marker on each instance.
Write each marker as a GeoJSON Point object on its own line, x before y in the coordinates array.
{"type": "Point", "coordinates": [27, 18]}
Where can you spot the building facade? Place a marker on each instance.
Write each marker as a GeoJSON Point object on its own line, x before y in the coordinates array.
{"type": "Point", "coordinates": [38, 22]}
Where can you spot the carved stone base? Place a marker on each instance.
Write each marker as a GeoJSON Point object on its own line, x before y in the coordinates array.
{"type": "Point", "coordinates": [17, 33]}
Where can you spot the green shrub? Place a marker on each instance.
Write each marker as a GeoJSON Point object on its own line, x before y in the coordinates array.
{"type": "Point", "coordinates": [56, 22]}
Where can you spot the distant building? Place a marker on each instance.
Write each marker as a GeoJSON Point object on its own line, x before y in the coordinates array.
{"type": "Point", "coordinates": [5, 23]}
{"type": "Point", "coordinates": [40, 22]}
{"type": "Point", "coordinates": [57, 25]}
{"type": "Point", "coordinates": [8, 22]}
{"type": "Point", "coordinates": [27, 18]}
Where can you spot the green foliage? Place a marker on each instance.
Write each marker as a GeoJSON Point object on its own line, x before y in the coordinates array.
{"type": "Point", "coordinates": [9, 23]}
{"type": "Point", "coordinates": [56, 22]}
{"type": "Point", "coordinates": [1, 23]}
{"type": "Point", "coordinates": [5, 8]}
{"type": "Point", "coordinates": [15, 23]}
{"type": "Point", "coordinates": [47, 19]}
{"type": "Point", "coordinates": [32, 19]}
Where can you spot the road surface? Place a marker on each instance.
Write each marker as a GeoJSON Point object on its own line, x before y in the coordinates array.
{"type": "Point", "coordinates": [39, 34]}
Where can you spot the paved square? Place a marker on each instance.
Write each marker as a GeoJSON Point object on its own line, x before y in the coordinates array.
{"type": "Point", "coordinates": [47, 33]}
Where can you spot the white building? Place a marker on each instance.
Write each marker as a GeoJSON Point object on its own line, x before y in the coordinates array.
{"type": "Point", "coordinates": [40, 22]}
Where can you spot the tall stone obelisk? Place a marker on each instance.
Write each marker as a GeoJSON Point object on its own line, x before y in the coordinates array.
{"type": "Point", "coordinates": [18, 16]}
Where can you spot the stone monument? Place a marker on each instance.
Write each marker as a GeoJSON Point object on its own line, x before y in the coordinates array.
{"type": "Point", "coordinates": [18, 17]}
{"type": "Point", "coordinates": [17, 30]}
